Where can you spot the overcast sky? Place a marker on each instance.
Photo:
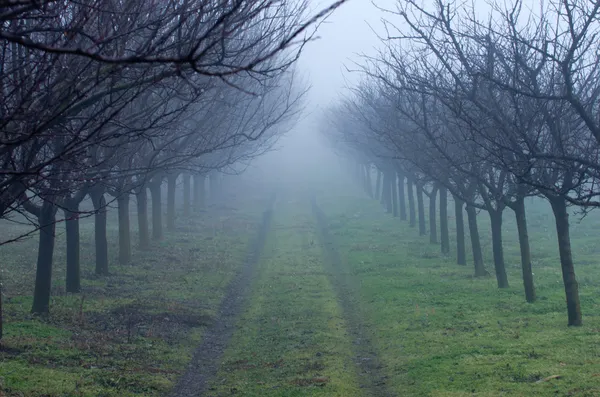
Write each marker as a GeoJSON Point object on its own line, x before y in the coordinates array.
{"type": "Point", "coordinates": [345, 35]}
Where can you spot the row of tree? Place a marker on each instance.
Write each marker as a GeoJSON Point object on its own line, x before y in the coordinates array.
{"type": "Point", "coordinates": [108, 98]}
{"type": "Point", "coordinates": [491, 102]}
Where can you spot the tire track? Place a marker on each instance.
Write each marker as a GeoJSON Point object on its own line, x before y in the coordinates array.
{"type": "Point", "coordinates": [206, 360]}
{"type": "Point", "coordinates": [372, 379]}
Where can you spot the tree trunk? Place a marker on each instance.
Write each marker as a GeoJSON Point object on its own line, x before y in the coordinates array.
{"type": "Point", "coordinates": [461, 255]}
{"type": "Point", "coordinates": [368, 181]}
{"type": "Point", "coordinates": [199, 192]}
{"type": "Point", "coordinates": [421, 210]}
{"type": "Point", "coordinates": [387, 183]}
{"type": "Point", "coordinates": [559, 207]}
{"type": "Point", "coordinates": [213, 178]}
{"type": "Point", "coordinates": [496, 220]}
{"type": "Point", "coordinates": [1, 319]}
{"type": "Point", "coordinates": [43, 273]}
{"type": "Point", "coordinates": [99, 202]}
{"type": "Point", "coordinates": [401, 195]}
{"type": "Point", "coordinates": [444, 233]}
{"type": "Point", "coordinates": [186, 195]}
{"type": "Point", "coordinates": [433, 215]}
{"type": "Point", "coordinates": [155, 192]}
{"type": "Point", "coordinates": [142, 212]}
{"type": "Point", "coordinates": [394, 193]}
{"type": "Point", "coordinates": [475, 242]}
{"type": "Point", "coordinates": [384, 189]}
{"type": "Point", "coordinates": [171, 208]}
{"type": "Point", "coordinates": [521, 218]}
{"type": "Point", "coordinates": [73, 276]}
{"type": "Point", "coordinates": [378, 186]}
{"type": "Point", "coordinates": [124, 229]}
{"type": "Point", "coordinates": [411, 203]}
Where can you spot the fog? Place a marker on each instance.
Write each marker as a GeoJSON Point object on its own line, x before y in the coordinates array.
{"type": "Point", "coordinates": [299, 198]}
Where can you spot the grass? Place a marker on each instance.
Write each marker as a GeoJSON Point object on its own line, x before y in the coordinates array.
{"type": "Point", "coordinates": [436, 330]}
{"type": "Point", "coordinates": [131, 333]}
{"type": "Point", "coordinates": [292, 339]}
{"type": "Point", "coordinates": [440, 332]}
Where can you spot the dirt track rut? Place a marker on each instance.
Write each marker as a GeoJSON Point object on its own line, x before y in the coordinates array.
{"type": "Point", "coordinates": [206, 360]}
{"type": "Point", "coordinates": [371, 377]}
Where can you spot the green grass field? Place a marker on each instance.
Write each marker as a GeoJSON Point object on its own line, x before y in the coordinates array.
{"type": "Point", "coordinates": [132, 333]}
{"type": "Point", "coordinates": [434, 329]}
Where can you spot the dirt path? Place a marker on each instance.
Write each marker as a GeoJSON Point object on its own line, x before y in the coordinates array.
{"type": "Point", "coordinates": [206, 359]}
{"type": "Point", "coordinates": [372, 379]}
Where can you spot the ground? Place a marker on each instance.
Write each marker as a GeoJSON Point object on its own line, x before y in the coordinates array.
{"type": "Point", "coordinates": [337, 298]}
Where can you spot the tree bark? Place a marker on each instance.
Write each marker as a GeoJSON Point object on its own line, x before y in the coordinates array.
{"type": "Point", "coordinates": [401, 195]}
{"type": "Point", "coordinates": [186, 195]}
{"type": "Point", "coordinates": [124, 229]}
{"type": "Point", "coordinates": [171, 207]}
{"type": "Point", "coordinates": [368, 181]}
{"type": "Point", "coordinates": [561, 215]}
{"type": "Point", "coordinates": [411, 203]}
{"type": "Point", "coordinates": [1, 319]}
{"type": "Point", "coordinates": [421, 210]}
{"type": "Point", "coordinates": [521, 217]}
{"type": "Point", "coordinates": [378, 185]}
{"type": "Point", "coordinates": [461, 255]}
{"type": "Point", "coordinates": [199, 192]}
{"type": "Point", "coordinates": [433, 215]}
{"type": "Point", "coordinates": [213, 178]}
{"type": "Point", "coordinates": [73, 276]}
{"type": "Point", "coordinates": [384, 189]}
{"type": "Point", "coordinates": [387, 185]}
{"type": "Point", "coordinates": [99, 202]}
{"type": "Point", "coordinates": [475, 242]}
{"type": "Point", "coordinates": [394, 193]}
{"type": "Point", "coordinates": [496, 221]}
{"type": "Point", "coordinates": [142, 212]}
{"type": "Point", "coordinates": [43, 273]}
{"type": "Point", "coordinates": [155, 192]}
{"type": "Point", "coordinates": [444, 233]}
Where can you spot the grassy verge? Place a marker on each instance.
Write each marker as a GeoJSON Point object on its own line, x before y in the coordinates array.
{"type": "Point", "coordinates": [291, 340]}
{"type": "Point", "coordinates": [442, 333]}
{"type": "Point", "coordinates": [131, 333]}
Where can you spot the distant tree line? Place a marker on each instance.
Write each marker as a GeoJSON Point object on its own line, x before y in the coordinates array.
{"type": "Point", "coordinates": [110, 99]}
{"type": "Point", "coordinates": [489, 106]}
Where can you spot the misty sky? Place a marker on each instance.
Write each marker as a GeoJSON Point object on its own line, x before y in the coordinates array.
{"type": "Point", "coordinates": [341, 40]}
{"type": "Point", "coordinates": [345, 34]}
